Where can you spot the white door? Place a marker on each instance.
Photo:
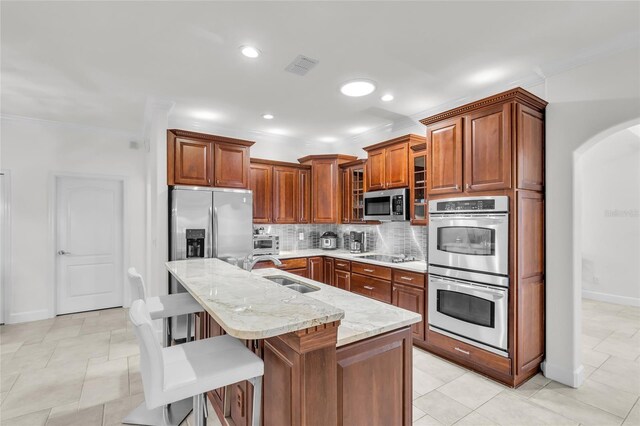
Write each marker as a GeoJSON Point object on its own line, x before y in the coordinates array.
{"type": "Point", "coordinates": [4, 241]}
{"type": "Point", "coordinates": [89, 244]}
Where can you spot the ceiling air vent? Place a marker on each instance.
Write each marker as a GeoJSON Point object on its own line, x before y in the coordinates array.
{"type": "Point", "coordinates": [301, 65]}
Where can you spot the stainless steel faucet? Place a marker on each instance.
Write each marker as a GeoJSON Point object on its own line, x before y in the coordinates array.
{"type": "Point", "coordinates": [249, 263]}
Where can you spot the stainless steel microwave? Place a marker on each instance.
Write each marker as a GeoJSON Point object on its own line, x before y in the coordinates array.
{"type": "Point", "coordinates": [388, 205]}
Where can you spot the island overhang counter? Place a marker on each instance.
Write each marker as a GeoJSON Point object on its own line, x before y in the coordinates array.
{"type": "Point", "coordinates": [331, 356]}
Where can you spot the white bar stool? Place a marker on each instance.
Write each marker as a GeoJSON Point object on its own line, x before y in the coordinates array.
{"type": "Point", "coordinates": [193, 368]}
{"type": "Point", "coordinates": [162, 307]}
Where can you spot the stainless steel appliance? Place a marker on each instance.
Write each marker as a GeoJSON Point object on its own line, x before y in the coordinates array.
{"type": "Point", "coordinates": [471, 307]}
{"type": "Point", "coordinates": [329, 241]}
{"type": "Point", "coordinates": [389, 258]}
{"type": "Point", "coordinates": [470, 234]}
{"type": "Point", "coordinates": [388, 205]}
{"type": "Point", "coordinates": [208, 222]}
{"type": "Point", "coordinates": [358, 242]}
{"type": "Point", "coordinates": [266, 244]}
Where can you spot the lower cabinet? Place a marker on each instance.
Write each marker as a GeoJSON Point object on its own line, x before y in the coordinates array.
{"type": "Point", "coordinates": [411, 299]}
{"type": "Point", "coordinates": [371, 287]}
{"type": "Point", "coordinates": [342, 279]}
{"type": "Point", "coordinates": [328, 270]}
{"type": "Point", "coordinates": [316, 269]}
{"type": "Point", "coordinates": [301, 272]}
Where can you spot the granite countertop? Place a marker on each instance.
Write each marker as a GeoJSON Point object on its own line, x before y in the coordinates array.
{"type": "Point", "coordinates": [248, 306]}
{"type": "Point", "coordinates": [419, 266]}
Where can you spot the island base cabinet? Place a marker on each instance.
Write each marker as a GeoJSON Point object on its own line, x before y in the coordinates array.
{"type": "Point", "coordinates": [375, 380]}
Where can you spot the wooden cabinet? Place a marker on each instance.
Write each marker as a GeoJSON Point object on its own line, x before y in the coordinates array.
{"type": "Point", "coordinates": [371, 287]}
{"type": "Point", "coordinates": [193, 162]}
{"type": "Point", "coordinates": [231, 165]}
{"type": "Point", "coordinates": [342, 279]}
{"type": "Point", "coordinates": [207, 160]}
{"type": "Point", "coordinates": [418, 184]}
{"type": "Point", "coordinates": [388, 163]}
{"type": "Point", "coordinates": [316, 269]}
{"type": "Point", "coordinates": [260, 182]}
{"type": "Point", "coordinates": [412, 299]}
{"type": "Point", "coordinates": [328, 271]}
{"type": "Point", "coordinates": [281, 192]}
{"type": "Point", "coordinates": [353, 184]}
{"type": "Point", "coordinates": [444, 157]}
{"type": "Point", "coordinates": [529, 148]}
{"type": "Point", "coordinates": [326, 192]}
{"type": "Point", "coordinates": [487, 149]}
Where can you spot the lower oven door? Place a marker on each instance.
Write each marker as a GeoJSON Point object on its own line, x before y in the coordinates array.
{"type": "Point", "coordinates": [474, 312]}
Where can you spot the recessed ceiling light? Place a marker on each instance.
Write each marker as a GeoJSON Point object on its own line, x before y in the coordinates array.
{"type": "Point", "coordinates": [359, 87]}
{"type": "Point", "coordinates": [267, 116]}
{"type": "Point", "coordinates": [205, 115]}
{"type": "Point", "coordinates": [358, 130]}
{"type": "Point", "coordinates": [277, 131]}
{"type": "Point", "coordinates": [387, 98]}
{"type": "Point", "coordinates": [328, 139]}
{"type": "Point", "coordinates": [487, 76]}
{"type": "Point", "coordinates": [250, 51]}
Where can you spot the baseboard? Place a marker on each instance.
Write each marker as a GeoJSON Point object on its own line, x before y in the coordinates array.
{"type": "Point", "coordinates": [563, 375]}
{"type": "Point", "coordinates": [14, 318]}
{"type": "Point", "coordinates": [611, 298]}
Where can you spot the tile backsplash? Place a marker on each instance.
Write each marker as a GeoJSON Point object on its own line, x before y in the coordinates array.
{"type": "Point", "coordinates": [388, 237]}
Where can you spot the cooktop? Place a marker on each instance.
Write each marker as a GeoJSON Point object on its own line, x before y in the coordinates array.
{"type": "Point", "coordinates": [388, 258]}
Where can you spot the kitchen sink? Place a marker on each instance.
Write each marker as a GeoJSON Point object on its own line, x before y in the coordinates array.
{"type": "Point", "coordinates": [298, 286]}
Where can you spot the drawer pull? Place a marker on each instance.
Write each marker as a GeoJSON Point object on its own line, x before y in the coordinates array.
{"type": "Point", "coordinates": [460, 350]}
{"type": "Point", "coordinates": [368, 270]}
{"type": "Point", "coordinates": [368, 287]}
{"type": "Point", "coordinates": [341, 264]}
{"type": "Point", "coordinates": [406, 278]}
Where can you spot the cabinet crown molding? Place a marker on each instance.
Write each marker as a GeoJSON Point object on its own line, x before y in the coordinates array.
{"type": "Point", "coordinates": [205, 136]}
{"type": "Point", "coordinates": [518, 94]}
{"type": "Point", "coordinates": [342, 158]}
{"type": "Point", "coordinates": [411, 138]}
{"type": "Point", "coordinates": [360, 162]}
{"type": "Point", "coordinates": [279, 163]}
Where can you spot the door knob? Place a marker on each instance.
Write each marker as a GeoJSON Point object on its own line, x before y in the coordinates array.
{"type": "Point", "coordinates": [62, 252]}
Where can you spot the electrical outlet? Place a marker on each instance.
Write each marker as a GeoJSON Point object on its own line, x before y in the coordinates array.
{"type": "Point", "coordinates": [301, 236]}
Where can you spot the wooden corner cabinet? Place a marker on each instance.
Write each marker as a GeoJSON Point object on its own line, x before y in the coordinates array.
{"type": "Point", "coordinates": [418, 183]}
{"type": "Point", "coordinates": [353, 181]}
{"type": "Point", "coordinates": [281, 191]}
{"type": "Point", "coordinates": [495, 147]}
{"type": "Point", "coordinates": [388, 163]}
{"type": "Point", "coordinates": [200, 159]}
{"type": "Point", "coordinates": [326, 190]}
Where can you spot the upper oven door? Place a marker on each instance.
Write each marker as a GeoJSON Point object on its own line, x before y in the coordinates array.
{"type": "Point", "coordinates": [474, 242]}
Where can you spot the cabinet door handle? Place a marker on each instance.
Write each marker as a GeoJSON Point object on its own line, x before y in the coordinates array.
{"type": "Point", "coordinates": [457, 187]}
{"type": "Point", "coordinates": [460, 350]}
{"type": "Point", "coordinates": [368, 270]}
{"type": "Point", "coordinates": [406, 278]}
{"type": "Point", "coordinates": [368, 287]}
{"type": "Point", "coordinates": [467, 186]}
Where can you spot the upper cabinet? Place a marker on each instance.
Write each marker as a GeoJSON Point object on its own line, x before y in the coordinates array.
{"type": "Point", "coordinates": [280, 192]}
{"type": "Point", "coordinates": [326, 190]}
{"type": "Point", "coordinates": [470, 148]}
{"type": "Point", "coordinates": [207, 160]}
{"type": "Point", "coordinates": [388, 163]}
{"type": "Point", "coordinates": [353, 178]}
{"type": "Point", "coordinates": [418, 183]}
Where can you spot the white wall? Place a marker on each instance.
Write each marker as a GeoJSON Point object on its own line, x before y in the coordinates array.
{"type": "Point", "coordinates": [33, 151]}
{"type": "Point", "coordinates": [610, 214]}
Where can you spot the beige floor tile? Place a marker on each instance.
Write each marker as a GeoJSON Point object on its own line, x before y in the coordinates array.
{"type": "Point", "coordinates": [88, 314]}
{"type": "Point", "coordinates": [531, 386]}
{"type": "Point", "coordinates": [38, 418]}
{"type": "Point", "coordinates": [625, 348]}
{"type": "Point", "coordinates": [417, 413]}
{"type": "Point", "coordinates": [509, 409]}
{"type": "Point", "coordinates": [593, 357]}
{"type": "Point", "coordinates": [475, 419]}
{"type": "Point", "coordinates": [590, 342]}
{"type": "Point", "coordinates": [587, 370]}
{"type": "Point", "coordinates": [64, 410]}
{"type": "Point", "coordinates": [104, 382]}
{"type": "Point", "coordinates": [88, 417]}
{"type": "Point", "coordinates": [135, 379]}
{"type": "Point", "coordinates": [58, 333]}
{"type": "Point", "coordinates": [124, 349]}
{"type": "Point", "coordinates": [572, 408]}
{"type": "Point", "coordinates": [115, 411]}
{"type": "Point", "coordinates": [620, 374]}
{"type": "Point", "coordinates": [82, 347]}
{"type": "Point", "coordinates": [633, 419]}
{"type": "Point", "coordinates": [426, 420]}
{"type": "Point", "coordinates": [415, 394]}
{"type": "Point", "coordinates": [437, 367]}
{"type": "Point", "coordinates": [44, 388]}
{"type": "Point", "coordinates": [459, 390]}
{"type": "Point", "coordinates": [63, 321]}
{"type": "Point", "coordinates": [101, 324]}
{"type": "Point", "coordinates": [7, 380]}
{"type": "Point", "coordinates": [29, 357]}
{"type": "Point", "coordinates": [9, 347]}
{"type": "Point", "coordinates": [31, 332]}
{"type": "Point", "coordinates": [121, 335]}
{"type": "Point", "coordinates": [441, 407]}
{"type": "Point", "coordinates": [424, 383]}
{"type": "Point", "coordinates": [612, 400]}
{"type": "Point", "coordinates": [3, 395]}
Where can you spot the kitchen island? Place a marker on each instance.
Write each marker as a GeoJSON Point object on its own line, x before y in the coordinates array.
{"type": "Point", "coordinates": [331, 356]}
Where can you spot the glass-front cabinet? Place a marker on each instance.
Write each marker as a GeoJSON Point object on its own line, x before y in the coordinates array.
{"type": "Point", "coordinates": [418, 187]}
{"type": "Point", "coordinates": [353, 191]}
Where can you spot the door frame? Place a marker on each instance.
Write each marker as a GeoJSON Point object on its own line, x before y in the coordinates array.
{"type": "Point", "coordinates": [54, 177]}
{"type": "Point", "coordinates": [5, 234]}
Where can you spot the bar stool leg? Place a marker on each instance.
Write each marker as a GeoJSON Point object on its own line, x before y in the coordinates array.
{"type": "Point", "coordinates": [199, 418]}
{"type": "Point", "coordinates": [257, 400]}
{"type": "Point", "coordinates": [189, 321]}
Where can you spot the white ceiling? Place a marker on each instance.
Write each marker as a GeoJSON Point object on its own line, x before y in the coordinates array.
{"type": "Point", "coordinates": [98, 63]}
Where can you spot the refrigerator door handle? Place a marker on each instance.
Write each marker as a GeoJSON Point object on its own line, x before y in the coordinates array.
{"type": "Point", "coordinates": [209, 236]}
{"type": "Point", "coordinates": [214, 237]}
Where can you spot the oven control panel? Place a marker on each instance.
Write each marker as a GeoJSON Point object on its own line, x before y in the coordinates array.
{"type": "Point", "coordinates": [480, 204]}
{"type": "Point", "coordinates": [467, 205]}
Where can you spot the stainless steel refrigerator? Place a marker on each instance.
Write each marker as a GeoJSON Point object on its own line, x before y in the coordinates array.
{"type": "Point", "coordinates": [208, 222]}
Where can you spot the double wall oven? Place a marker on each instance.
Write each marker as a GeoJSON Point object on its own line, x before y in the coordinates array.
{"type": "Point", "coordinates": [469, 270]}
